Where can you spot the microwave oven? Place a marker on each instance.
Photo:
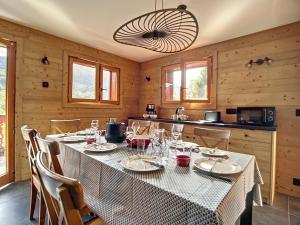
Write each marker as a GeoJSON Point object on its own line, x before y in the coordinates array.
{"type": "Point", "coordinates": [260, 116]}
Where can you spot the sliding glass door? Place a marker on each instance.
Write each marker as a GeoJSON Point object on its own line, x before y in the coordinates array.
{"type": "Point", "coordinates": [7, 85]}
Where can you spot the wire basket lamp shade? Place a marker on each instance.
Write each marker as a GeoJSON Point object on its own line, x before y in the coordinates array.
{"type": "Point", "coordinates": [166, 30]}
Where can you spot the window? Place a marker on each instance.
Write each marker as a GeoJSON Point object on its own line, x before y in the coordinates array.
{"type": "Point", "coordinates": [172, 83]}
{"type": "Point", "coordinates": [109, 87]}
{"type": "Point", "coordinates": [87, 84]}
{"type": "Point", "coordinates": [187, 82]}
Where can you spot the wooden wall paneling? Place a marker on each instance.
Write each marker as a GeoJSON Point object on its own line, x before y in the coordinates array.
{"type": "Point", "coordinates": [36, 106]}
{"type": "Point", "coordinates": [276, 84]}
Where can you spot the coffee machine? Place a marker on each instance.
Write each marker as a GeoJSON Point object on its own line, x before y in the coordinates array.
{"type": "Point", "coordinates": [150, 111]}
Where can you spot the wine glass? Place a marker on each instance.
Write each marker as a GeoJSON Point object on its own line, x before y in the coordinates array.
{"type": "Point", "coordinates": [94, 125]}
{"type": "Point", "coordinates": [176, 131]}
{"type": "Point", "coordinates": [129, 135]}
{"type": "Point", "coordinates": [160, 142]}
{"type": "Point", "coordinates": [135, 127]}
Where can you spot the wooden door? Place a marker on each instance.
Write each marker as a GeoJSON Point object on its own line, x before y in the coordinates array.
{"type": "Point", "coordinates": [7, 99]}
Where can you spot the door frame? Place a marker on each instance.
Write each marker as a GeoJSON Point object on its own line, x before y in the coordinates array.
{"type": "Point", "coordinates": [10, 112]}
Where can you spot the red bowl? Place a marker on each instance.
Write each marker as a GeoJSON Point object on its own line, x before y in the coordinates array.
{"type": "Point", "coordinates": [134, 142]}
{"type": "Point", "coordinates": [183, 160]}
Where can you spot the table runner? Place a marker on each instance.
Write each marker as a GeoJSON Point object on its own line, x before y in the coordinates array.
{"type": "Point", "coordinates": [175, 195]}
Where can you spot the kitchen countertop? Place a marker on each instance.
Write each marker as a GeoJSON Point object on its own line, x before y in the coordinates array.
{"type": "Point", "coordinates": [199, 123]}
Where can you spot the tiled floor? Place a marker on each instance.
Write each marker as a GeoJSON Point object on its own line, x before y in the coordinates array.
{"type": "Point", "coordinates": [14, 203]}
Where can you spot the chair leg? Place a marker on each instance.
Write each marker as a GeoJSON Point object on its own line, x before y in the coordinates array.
{"type": "Point", "coordinates": [42, 213]}
{"type": "Point", "coordinates": [32, 200]}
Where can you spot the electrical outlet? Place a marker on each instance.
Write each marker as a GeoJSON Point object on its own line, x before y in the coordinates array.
{"type": "Point", "coordinates": [296, 181]}
{"type": "Point", "coordinates": [230, 111]}
{"type": "Point", "coordinates": [297, 112]}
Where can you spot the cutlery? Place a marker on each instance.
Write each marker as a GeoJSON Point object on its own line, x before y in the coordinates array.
{"type": "Point", "coordinates": [214, 176]}
{"type": "Point", "coordinates": [157, 164]}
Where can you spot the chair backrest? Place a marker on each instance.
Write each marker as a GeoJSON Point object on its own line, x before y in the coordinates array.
{"type": "Point", "coordinates": [51, 148]}
{"type": "Point", "coordinates": [64, 126]}
{"type": "Point", "coordinates": [168, 127]}
{"type": "Point", "coordinates": [66, 191]}
{"type": "Point", "coordinates": [144, 127]}
{"type": "Point", "coordinates": [213, 138]}
{"type": "Point", "coordinates": [31, 147]}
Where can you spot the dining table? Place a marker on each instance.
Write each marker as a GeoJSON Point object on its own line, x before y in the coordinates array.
{"type": "Point", "coordinates": [172, 195]}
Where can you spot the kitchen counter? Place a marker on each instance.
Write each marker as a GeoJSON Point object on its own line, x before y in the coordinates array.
{"type": "Point", "coordinates": [199, 123]}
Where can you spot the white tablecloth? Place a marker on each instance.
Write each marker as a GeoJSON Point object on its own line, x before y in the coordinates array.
{"type": "Point", "coordinates": [173, 196]}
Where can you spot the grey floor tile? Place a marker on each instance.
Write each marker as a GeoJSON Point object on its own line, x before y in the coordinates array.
{"type": "Point", "coordinates": [281, 202]}
{"type": "Point", "coordinates": [267, 215]}
{"type": "Point", "coordinates": [14, 205]}
{"type": "Point", "coordinates": [16, 190]}
{"type": "Point", "coordinates": [294, 206]}
{"type": "Point", "coordinates": [294, 220]}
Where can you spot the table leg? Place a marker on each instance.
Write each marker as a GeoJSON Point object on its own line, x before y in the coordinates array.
{"type": "Point", "coordinates": [246, 217]}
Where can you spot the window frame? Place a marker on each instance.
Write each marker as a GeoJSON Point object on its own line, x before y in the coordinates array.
{"type": "Point", "coordinates": [182, 66]}
{"type": "Point", "coordinates": [83, 62]}
{"type": "Point", "coordinates": [98, 101]}
{"type": "Point", "coordinates": [111, 69]}
{"type": "Point", "coordinates": [209, 79]}
{"type": "Point", "coordinates": [172, 67]}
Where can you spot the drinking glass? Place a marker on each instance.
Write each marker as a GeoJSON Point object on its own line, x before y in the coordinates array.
{"type": "Point", "coordinates": [93, 132]}
{"type": "Point", "coordinates": [183, 156]}
{"type": "Point", "coordinates": [161, 144]}
{"type": "Point", "coordinates": [176, 131]}
{"type": "Point", "coordinates": [94, 125]}
{"type": "Point", "coordinates": [140, 146]}
{"type": "Point", "coordinates": [129, 135]}
{"type": "Point", "coordinates": [135, 127]}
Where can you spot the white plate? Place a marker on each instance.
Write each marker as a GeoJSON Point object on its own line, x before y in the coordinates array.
{"type": "Point", "coordinates": [73, 139]}
{"type": "Point", "coordinates": [182, 144]}
{"type": "Point", "coordinates": [213, 152]}
{"type": "Point", "coordinates": [106, 147]}
{"type": "Point", "coordinates": [84, 132]}
{"type": "Point", "coordinates": [218, 166]}
{"type": "Point", "coordinates": [136, 163]}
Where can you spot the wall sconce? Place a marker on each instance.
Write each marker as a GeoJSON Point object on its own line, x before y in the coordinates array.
{"type": "Point", "coordinates": [45, 60]}
{"type": "Point", "coordinates": [148, 78]}
{"type": "Point", "coordinates": [259, 62]}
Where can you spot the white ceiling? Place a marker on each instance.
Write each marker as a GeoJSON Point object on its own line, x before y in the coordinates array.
{"type": "Point", "coordinates": [93, 22]}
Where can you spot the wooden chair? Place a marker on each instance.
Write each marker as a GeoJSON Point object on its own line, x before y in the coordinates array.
{"type": "Point", "coordinates": [212, 135]}
{"type": "Point", "coordinates": [28, 136]}
{"type": "Point", "coordinates": [168, 127]}
{"type": "Point", "coordinates": [51, 148]}
{"type": "Point", "coordinates": [66, 191]}
{"type": "Point", "coordinates": [144, 127]}
{"type": "Point", "coordinates": [64, 126]}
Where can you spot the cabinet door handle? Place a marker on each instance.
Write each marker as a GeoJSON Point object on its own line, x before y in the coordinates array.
{"type": "Point", "coordinates": [246, 135]}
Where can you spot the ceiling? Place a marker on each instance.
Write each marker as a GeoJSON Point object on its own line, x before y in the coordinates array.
{"type": "Point", "coordinates": [93, 22]}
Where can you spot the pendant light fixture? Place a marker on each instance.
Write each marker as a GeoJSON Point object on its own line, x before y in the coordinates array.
{"type": "Point", "coordinates": [165, 30]}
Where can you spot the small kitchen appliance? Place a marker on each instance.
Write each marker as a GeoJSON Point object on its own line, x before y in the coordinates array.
{"type": "Point", "coordinates": [212, 117]}
{"type": "Point", "coordinates": [150, 109]}
{"type": "Point", "coordinates": [150, 112]}
{"type": "Point", "coordinates": [260, 116]}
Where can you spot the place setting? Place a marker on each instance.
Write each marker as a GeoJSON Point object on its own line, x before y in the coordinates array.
{"type": "Point", "coordinates": [71, 138]}
{"type": "Point", "coordinates": [147, 153]}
